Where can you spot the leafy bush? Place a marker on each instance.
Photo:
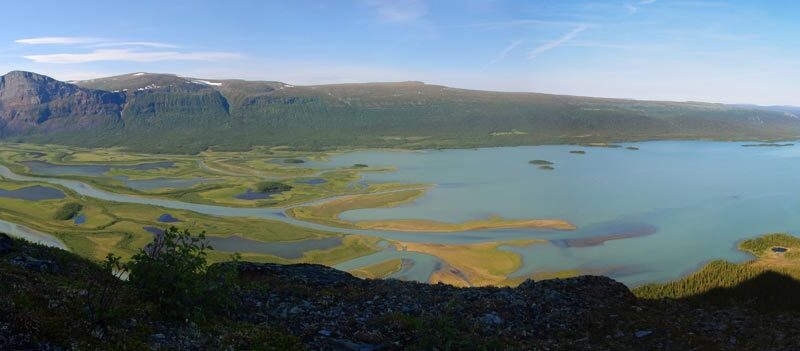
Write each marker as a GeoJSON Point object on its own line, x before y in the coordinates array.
{"type": "Point", "coordinates": [172, 274]}
{"type": "Point", "coordinates": [102, 293]}
{"type": "Point", "coordinates": [293, 160]}
{"type": "Point", "coordinates": [272, 187]}
{"type": "Point", "coordinates": [68, 211]}
{"type": "Point", "coordinates": [360, 165]}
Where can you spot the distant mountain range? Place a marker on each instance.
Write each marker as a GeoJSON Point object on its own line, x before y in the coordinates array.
{"type": "Point", "coordinates": [169, 113]}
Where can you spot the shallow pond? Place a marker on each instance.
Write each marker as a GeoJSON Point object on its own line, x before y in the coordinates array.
{"type": "Point", "coordinates": [252, 195]}
{"type": "Point", "coordinates": [91, 170]}
{"type": "Point", "coordinates": [33, 193]}
{"type": "Point", "coordinates": [312, 181]}
{"type": "Point", "coordinates": [79, 219]}
{"type": "Point", "coordinates": [167, 218]}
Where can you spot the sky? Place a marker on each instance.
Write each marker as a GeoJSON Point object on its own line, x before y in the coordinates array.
{"type": "Point", "coordinates": [715, 51]}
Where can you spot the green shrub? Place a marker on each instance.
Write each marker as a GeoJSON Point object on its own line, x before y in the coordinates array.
{"type": "Point", "coordinates": [172, 274]}
{"type": "Point", "coordinates": [360, 165]}
{"type": "Point", "coordinates": [68, 211]}
{"type": "Point", "coordinates": [102, 292]}
{"type": "Point", "coordinates": [293, 160]}
{"type": "Point", "coordinates": [272, 187]}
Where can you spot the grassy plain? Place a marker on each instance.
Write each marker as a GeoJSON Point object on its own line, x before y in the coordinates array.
{"type": "Point", "coordinates": [473, 264]}
{"type": "Point", "coordinates": [118, 228]}
{"type": "Point", "coordinates": [379, 270]}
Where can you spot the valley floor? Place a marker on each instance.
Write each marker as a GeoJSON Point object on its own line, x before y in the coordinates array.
{"type": "Point", "coordinates": [112, 219]}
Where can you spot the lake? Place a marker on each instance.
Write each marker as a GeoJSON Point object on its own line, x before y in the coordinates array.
{"type": "Point", "coordinates": [645, 215]}
{"type": "Point", "coordinates": [666, 208]}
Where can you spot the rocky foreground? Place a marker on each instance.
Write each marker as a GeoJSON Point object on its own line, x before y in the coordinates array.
{"type": "Point", "coordinates": [311, 307]}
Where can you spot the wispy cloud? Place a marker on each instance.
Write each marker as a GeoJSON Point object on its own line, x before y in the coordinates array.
{"type": "Point", "coordinates": [150, 44]}
{"type": "Point", "coordinates": [516, 23]}
{"type": "Point", "coordinates": [556, 43]}
{"type": "Point", "coordinates": [503, 53]}
{"type": "Point", "coordinates": [59, 40]}
{"type": "Point", "coordinates": [133, 56]}
{"type": "Point", "coordinates": [634, 7]}
{"type": "Point", "coordinates": [399, 11]}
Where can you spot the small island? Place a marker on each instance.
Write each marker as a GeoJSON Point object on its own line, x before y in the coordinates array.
{"type": "Point", "coordinates": [767, 145]}
{"type": "Point", "coordinates": [547, 167]}
{"type": "Point", "coordinates": [611, 146]}
{"type": "Point", "coordinates": [578, 152]}
{"type": "Point", "coordinates": [541, 162]}
{"type": "Point", "coordinates": [328, 212]}
{"type": "Point", "coordinates": [293, 161]}
{"type": "Point", "coordinates": [632, 148]}
{"type": "Point", "coordinates": [360, 165]}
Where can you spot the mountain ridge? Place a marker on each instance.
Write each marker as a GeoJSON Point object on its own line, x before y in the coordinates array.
{"type": "Point", "coordinates": [169, 113]}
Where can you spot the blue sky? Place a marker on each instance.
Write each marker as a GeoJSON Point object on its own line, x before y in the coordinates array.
{"type": "Point", "coordinates": [719, 51]}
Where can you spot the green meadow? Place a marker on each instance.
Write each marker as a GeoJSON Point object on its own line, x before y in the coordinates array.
{"type": "Point", "coordinates": [112, 227]}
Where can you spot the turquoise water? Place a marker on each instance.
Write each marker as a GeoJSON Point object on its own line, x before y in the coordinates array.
{"type": "Point", "coordinates": [698, 198]}
{"type": "Point", "coordinates": [642, 216]}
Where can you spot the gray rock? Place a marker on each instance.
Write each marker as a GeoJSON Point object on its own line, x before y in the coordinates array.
{"type": "Point", "coordinates": [491, 319]}
{"type": "Point", "coordinates": [5, 244]}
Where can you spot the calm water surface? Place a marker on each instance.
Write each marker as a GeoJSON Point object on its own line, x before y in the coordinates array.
{"type": "Point", "coordinates": [656, 213]}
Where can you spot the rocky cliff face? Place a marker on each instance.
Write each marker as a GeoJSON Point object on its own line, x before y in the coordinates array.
{"type": "Point", "coordinates": [30, 101]}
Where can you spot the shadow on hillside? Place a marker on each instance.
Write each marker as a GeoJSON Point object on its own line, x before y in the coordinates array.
{"type": "Point", "coordinates": [767, 291]}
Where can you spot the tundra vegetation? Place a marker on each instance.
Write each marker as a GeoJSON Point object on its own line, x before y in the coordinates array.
{"type": "Point", "coordinates": [771, 278]}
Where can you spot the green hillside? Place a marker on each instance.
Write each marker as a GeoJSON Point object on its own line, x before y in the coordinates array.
{"type": "Point", "coordinates": [167, 113]}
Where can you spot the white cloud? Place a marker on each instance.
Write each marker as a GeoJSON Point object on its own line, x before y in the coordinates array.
{"type": "Point", "coordinates": [399, 11]}
{"type": "Point", "coordinates": [150, 44]}
{"type": "Point", "coordinates": [556, 43]}
{"type": "Point", "coordinates": [133, 56]}
{"type": "Point", "coordinates": [59, 40]}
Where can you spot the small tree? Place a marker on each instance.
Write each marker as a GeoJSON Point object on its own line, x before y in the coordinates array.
{"type": "Point", "coordinates": [172, 274]}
